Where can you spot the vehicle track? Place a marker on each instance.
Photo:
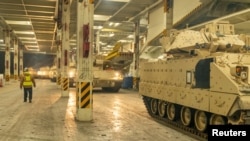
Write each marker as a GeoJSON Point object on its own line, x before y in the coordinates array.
{"type": "Point", "coordinates": [192, 132]}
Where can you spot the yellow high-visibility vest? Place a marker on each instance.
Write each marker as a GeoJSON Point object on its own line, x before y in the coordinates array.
{"type": "Point", "coordinates": [27, 81]}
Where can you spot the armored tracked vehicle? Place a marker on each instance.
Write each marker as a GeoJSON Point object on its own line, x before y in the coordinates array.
{"type": "Point", "coordinates": [106, 76]}
{"type": "Point", "coordinates": [203, 79]}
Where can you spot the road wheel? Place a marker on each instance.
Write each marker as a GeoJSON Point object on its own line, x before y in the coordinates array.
{"type": "Point", "coordinates": [162, 108]}
{"type": "Point", "coordinates": [200, 120]}
{"type": "Point", "coordinates": [154, 106]}
{"type": "Point", "coordinates": [186, 116]}
{"type": "Point", "coordinates": [171, 111]}
{"type": "Point", "coordinates": [217, 120]}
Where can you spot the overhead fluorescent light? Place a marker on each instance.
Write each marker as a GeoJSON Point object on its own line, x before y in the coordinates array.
{"type": "Point", "coordinates": [72, 40]}
{"type": "Point", "coordinates": [72, 44]}
{"type": "Point", "coordinates": [24, 32]}
{"type": "Point", "coordinates": [104, 35]}
{"type": "Point", "coordinates": [102, 43]}
{"type": "Point", "coordinates": [111, 23]}
{"type": "Point", "coordinates": [45, 31]}
{"type": "Point", "coordinates": [101, 17]}
{"type": "Point", "coordinates": [98, 27]}
{"type": "Point", "coordinates": [116, 24]}
{"type": "Point", "coordinates": [30, 42]}
{"type": "Point", "coordinates": [32, 48]}
{"type": "Point", "coordinates": [125, 41]}
{"type": "Point", "coordinates": [111, 34]}
{"type": "Point", "coordinates": [18, 22]}
{"type": "Point", "coordinates": [130, 36]}
{"type": "Point", "coordinates": [119, 0]}
{"type": "Point", "coordinates": [27, 38]}
{"type": "Point", "coordinates": [110, 46]}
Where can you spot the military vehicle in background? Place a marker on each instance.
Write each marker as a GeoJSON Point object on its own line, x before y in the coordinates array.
{"type": "Point", "coordinates": [203, 78]}
{"type": "Point", "coordinates": [71, 74]}
{"type": "Point", "coordinates": [109, 70]}
{"type": "Point", "coordinates": [53, 73]}
{"type": "Point", "coordinates": [106, 76]}
{"type": "Point", "coordinates": [43, 72]}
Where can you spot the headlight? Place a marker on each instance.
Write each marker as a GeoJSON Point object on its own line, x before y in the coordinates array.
{"type": "Point", "coordinates": [71, 74]}
{"type": "Point", "coordinates": [118, 75]}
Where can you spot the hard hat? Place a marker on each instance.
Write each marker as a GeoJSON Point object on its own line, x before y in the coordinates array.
{"type": "Point", "coordinates": [26, 70]}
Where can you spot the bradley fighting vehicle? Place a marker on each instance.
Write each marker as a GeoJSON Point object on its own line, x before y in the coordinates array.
{"type": "Point", "coordinates": [204, 80]}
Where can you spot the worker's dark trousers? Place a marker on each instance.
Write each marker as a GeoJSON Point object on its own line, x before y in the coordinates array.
{"type": "Point", "coordinates": [27, 92]}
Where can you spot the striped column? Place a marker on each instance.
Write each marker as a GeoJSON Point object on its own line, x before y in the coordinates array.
{"type": "Point", "coordinates": [84, 101]}
{"type": "Point", "coordinates": [15, 77]}
{"type": "Point", "coordinates": [85, 22]}
{"type": "Point", "coordinates": [84, 95]}
{"type": "Point", "coordinates": [58, 80]}
{"type": "Point", "coordinates": [7, 77]}
{"type": "Point", "coordinates": [77, 94]}
{"type": "Point", "coordinates": [15, 59]}
{"type": "Point", "coordinates": [65, 84]}
{"type": "Point", "coordinates": [7, 55]}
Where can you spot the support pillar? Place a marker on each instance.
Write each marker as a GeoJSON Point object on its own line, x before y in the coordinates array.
{"type": "Point", "coordinates": [7, 55]}
{"type": "Point", "coordinates": [15, 41]}
{"type": "Point", "coordinates": [98, 47]}
{"type": "Point", "coordinates": [84, 96]}
{"type": "Point", "coordinates": [65, 48]}
{"type": "Point", "coordinates": [168, 8]}
{"type": "Point", "coordinates": [136, 56]}
{"type": "Point", "coordinates": [21, 61]}
{"type": "Point", "coordinates": [58, 58]}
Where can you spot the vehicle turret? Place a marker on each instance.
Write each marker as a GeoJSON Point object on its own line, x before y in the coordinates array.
{"type": "Point", "coordinates": [214, 37]}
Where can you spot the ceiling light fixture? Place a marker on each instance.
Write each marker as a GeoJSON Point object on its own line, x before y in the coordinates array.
{"type": "Point", "coordinates": [29, 42]}
{"type": "Point", "coordinates": [111, 23]}
{"type": "Point", "coordinates": [116, 24]}
{"type": "Point", "coordinates": [98, 27]}
{"type": "Point", "coordinates": [101, 17]}
{"type": "Point", "coordinates": [125, 41]}
{"type": "Point", "coordinates": [18, 22]}
{"type": "Point", "coordinates": [24, 32]}
{"type": "Point", "coordinates": [111, 34]}
{"type": "Point", "coordinates": [27, 38]}
{"type": "Point", "coordinates": [130, 36]}
{"type": "Point", "coordinates": [102, 43]}
{"type": "Point", "coordinates": [32, 46]}
{"type": "Point", "coordinates": [118, 0]}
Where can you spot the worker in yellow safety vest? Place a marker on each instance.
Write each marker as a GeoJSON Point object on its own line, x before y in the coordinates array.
{"type": "Point", "coordinates": [27, 82]}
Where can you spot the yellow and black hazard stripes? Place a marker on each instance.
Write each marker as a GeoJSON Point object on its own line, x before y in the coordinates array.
{"type": "Point", "coordinates": [58, 80]}
{"type": "Point", "coordinates": [65, 84]}
{"type": "Point", "coordinates": [15, 77]}
{"type": "Point", "coordinates": [77, 94]}
{"type": "Point", "coordinates": [85, 94]}
{"type": "Point", "coordinates": [7, 78]}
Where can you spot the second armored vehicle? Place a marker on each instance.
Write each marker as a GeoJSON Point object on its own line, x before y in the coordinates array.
{"type": "Point", "coordinates": [204, 79]}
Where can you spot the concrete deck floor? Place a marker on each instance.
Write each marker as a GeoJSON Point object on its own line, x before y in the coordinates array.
{"type": "Point", "coordinates": [51, 117]}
